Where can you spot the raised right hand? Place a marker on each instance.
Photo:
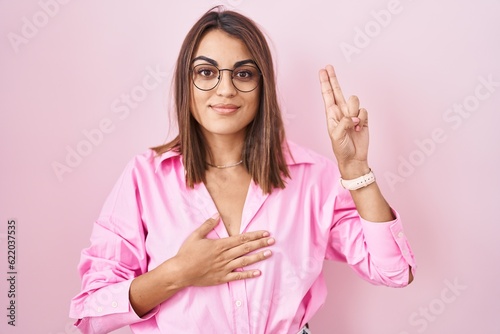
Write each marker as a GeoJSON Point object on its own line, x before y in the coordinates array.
{"type": "Point", "coordinates": [205, 262]}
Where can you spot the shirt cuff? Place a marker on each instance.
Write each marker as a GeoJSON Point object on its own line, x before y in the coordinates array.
{"type": "Point", "coordinates": [107, 309]}
{"type": "Point", "coordinates": [387, 244]}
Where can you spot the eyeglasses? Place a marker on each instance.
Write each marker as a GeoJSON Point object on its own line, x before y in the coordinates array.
{"type": "Point", "coordinates": [245, 78]}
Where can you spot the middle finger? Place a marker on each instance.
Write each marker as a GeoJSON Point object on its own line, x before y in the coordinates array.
{"type": "Point", "coordinates": [248, 247]}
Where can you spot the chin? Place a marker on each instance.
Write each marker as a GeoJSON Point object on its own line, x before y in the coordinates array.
{"type": "Point", "coordinates": [224, 131]}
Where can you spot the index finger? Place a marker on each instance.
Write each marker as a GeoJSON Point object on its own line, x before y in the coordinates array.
{"type": "Point", "coordinates": [337, 91]}
{"type": "Point", "coordinates": [326, 89]}
{"type": "Point", "coordinates": [205, 228]}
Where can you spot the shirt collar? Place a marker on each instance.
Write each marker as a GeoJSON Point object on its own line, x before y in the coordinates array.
{"type": "Point", "coordinates": [294, 155]}
{"type": "Point", "coordinates": [164, 156]}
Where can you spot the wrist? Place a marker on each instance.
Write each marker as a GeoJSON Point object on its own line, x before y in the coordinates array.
{"type": "Point", "coordinates": [176, 274]}
{"type": "Point", "coordinates": [353, 169]}
{"type": "Point", "coordinates": [359, 182]}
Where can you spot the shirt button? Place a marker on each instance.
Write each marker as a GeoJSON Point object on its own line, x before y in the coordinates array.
{"type": "Point", "coordinates": [99, 309]}
{"type": "Point", "coordinates": [238, 303]}
{"type": "Point", "coordinates": [114, 304]}
{"type": "Point", "coordinates": [400, 234]}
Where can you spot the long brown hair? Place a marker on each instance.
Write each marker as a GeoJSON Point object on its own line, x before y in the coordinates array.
{"type": "Point", "coordinates": [262, 154]}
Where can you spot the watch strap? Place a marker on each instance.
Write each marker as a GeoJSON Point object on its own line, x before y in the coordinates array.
{"type": "Point", "coordinates": [359, 182]}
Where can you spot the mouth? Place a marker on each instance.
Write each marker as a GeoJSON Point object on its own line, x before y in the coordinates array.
{"type": "Point", "coordinates": [224, 109]}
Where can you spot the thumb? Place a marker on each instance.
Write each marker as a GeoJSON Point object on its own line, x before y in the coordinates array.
{"type": "Point", "coordinates": [208, 226]}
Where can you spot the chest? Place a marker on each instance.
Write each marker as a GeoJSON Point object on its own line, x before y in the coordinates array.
{"type": "Point", "coordinates": [229, 192]}
{"type": "Point", "coordinates": [171, 212]}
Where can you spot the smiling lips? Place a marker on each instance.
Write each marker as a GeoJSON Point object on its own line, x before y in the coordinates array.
{"type": "Point", "coordinates": [224, 109]}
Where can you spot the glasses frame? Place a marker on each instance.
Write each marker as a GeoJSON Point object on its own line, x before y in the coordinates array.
{"type": "Point", "coordinates": [219, 77]}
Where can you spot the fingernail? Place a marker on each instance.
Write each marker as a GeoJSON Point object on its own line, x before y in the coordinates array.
{"type": "Point", "coordinates": [358, 128]}
{"type": "Point", "coordinates": [216, 216]}
{"type": "Point", "coordinates": [267, 253]}
{"type": "Point", "coordinates": [355, 119]}
{"type": "Point", "coordinates": [265, 234]}
{"type": "Point", "coordinates": [270, 241]}
{"type": "Point", "coordinates": [256, 273]}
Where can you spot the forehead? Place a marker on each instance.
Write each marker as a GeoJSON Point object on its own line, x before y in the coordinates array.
{"type": "Point", "coordinates": [222, 47]}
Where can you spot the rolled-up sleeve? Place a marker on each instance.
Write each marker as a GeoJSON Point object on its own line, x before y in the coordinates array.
{"type": "Point", "coordinates": [116, 256]}
{"type": "Point", "coordinates": [378, 252]}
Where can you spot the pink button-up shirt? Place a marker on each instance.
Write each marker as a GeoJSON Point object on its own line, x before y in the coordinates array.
{"type": "Point", "coordinates": [150, 212]}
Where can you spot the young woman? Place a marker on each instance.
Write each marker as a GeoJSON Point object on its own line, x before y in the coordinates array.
{"type": "Point", "coordinates": [225, 229]}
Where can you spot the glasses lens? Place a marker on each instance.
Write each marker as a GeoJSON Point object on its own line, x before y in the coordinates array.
{"type": "Point", "coordinates": [205, 76]}
{"type": "Point", "coordinates": [246, 78]}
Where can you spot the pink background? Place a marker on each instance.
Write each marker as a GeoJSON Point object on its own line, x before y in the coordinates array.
{"type": "Point", "coordinates": [65, 77]}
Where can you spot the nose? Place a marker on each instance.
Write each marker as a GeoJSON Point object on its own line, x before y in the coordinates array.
{"type": "Point", "coordinates": [225, 86]}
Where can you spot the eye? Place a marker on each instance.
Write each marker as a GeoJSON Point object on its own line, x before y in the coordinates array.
{"type": "Point", "coordinates": [205, 71]}
{"type": "Point", "coordinates": [246, 73]}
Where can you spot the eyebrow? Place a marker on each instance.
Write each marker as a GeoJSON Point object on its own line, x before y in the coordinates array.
{"type": "Point", "coordinates": [215, 63]}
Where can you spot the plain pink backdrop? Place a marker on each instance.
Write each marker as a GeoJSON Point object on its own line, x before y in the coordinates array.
{"type": "Point", "coordinates": [419, 67]}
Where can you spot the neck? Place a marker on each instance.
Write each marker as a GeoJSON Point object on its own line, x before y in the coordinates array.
{"type": "Point", "coordinates": [225, 151]}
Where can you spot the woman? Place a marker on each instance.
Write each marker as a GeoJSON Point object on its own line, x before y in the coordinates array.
{"type": "Point", "coordinates": [225, 229]}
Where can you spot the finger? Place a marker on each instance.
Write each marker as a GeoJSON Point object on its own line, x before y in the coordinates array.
{"type": "Point", "coordinates": [249, 247]}
{"type": "Point", "coordinates": [333, 113]}
{"type": "Point", "coordinates": [205, 228]}
{"type": "Point", "coordinates": [337, 91]}
{"type": "Point", "coordinates": [326, 89]}
{"type": "Point", "coordinates": [240, 239]}
{"type": "Point", "coordinates": [240, 275]}
{"type": "Point", "coordinates": [353, 106]}
{"type": "Point", "coordinates": [363, 119]}
{"type": "Point", "coordinates": [345, 124]}
{"type": "Point", "coordinates": [244, 261]}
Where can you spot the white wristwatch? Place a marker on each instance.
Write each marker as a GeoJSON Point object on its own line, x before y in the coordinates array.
{"type": "Point", "coordinates": [359, 182]}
